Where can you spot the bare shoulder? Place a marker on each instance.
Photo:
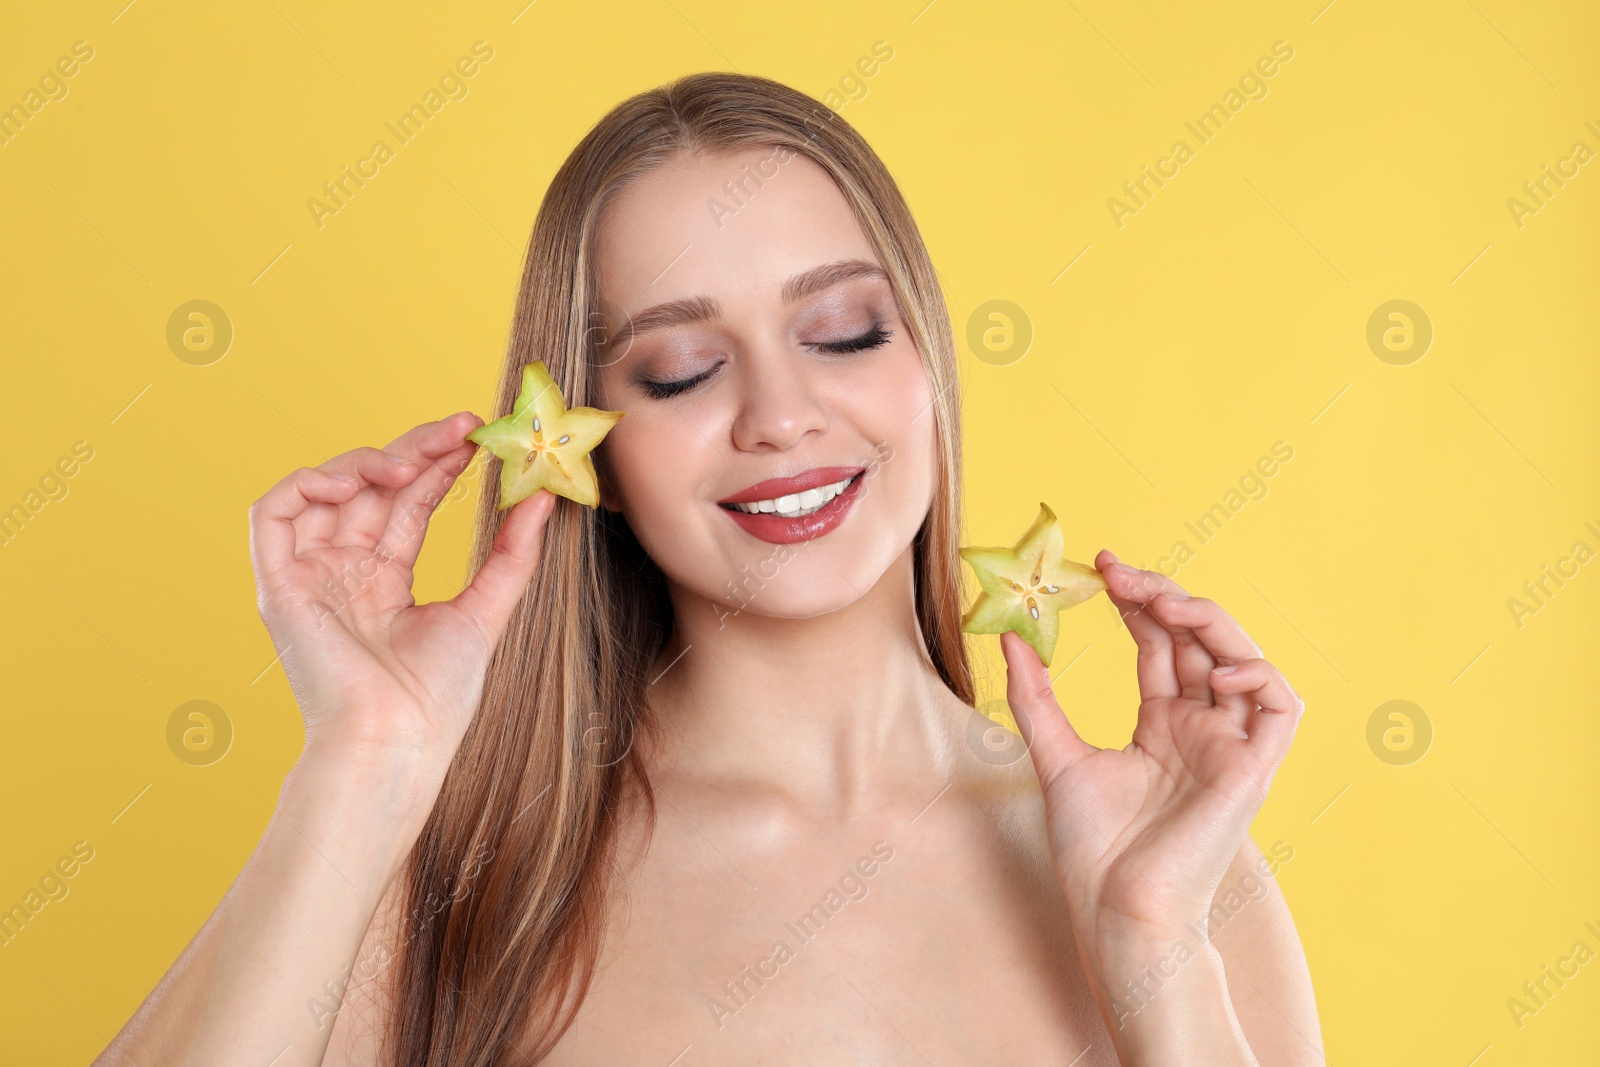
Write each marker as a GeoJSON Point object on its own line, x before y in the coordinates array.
{"type": "Point", "coordinates": [1249, 923]}
{"type": "Point", "coordinates": [1268, 979]}
{"type": "Point", "coordinates": [994, 782]}
{"type": "Point", "coordinates": [359, 1024]}
{"type": "Point", "coordinates": [995, 772]}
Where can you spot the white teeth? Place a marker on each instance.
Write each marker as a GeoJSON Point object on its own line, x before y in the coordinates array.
{"type": "Point", "coordinates": [795, 505]}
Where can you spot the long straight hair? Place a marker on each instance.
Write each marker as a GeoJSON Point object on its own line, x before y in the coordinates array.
{"type": "Point", "coordinates": [531, 803]}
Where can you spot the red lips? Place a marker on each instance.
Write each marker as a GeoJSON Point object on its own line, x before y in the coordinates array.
{"type": "Point", "coordinates": [774, 528]}
{"type": "Point", "coordinates": [773, 488]}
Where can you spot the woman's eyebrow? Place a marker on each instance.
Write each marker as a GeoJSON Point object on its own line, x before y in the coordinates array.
{"type": "Point", "coordinates": [704, 308]}
{"type": "Point", "coordinates": [829, 274]}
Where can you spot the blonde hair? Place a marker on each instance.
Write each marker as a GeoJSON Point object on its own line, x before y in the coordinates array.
{"type": "Point", "coordinates": [538, 783]}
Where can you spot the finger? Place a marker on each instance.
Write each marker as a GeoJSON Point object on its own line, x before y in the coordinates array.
{"type": "Point", "coordinates": [433, 439]}
{"type": "Point", "coordinates": [1272, 727]}
{"type": "Point", "coordinates": [374, 466]}
{"type": "Point", "coordinates": [415, 505]}
{"type": "Point", "coordinates": [443, 449]}
{"type": "Point", "coordinates": [377, 515]}
{"type": "Point", "coordinates": [1051, 740]}
{"type": "Point", "coordinates": [272, 518]}
{"type": "Point", "coordinates": [1218, 632]}
{"type": "Point", "coordinates": [493, 593]}
{"type": "Point", "coordinates": [1157, 670]}
{"type": "Point", "coordinates": [1205, 636]}
{"type": "Point", "coordinates": [1132, 583]}
{"type": "Point", "coordinates": [362, 520]}
{"type": "Point", "coordinates": [1191, 658]}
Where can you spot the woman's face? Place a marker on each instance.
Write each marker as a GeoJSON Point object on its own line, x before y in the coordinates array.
{"type": "Point", "coordinates": [761, 357]}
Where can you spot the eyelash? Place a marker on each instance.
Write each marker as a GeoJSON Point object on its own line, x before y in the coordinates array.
{"type": "Point", "coordinates": [873, 338]}
{"type": "Point", "coordinates": [665, 390]}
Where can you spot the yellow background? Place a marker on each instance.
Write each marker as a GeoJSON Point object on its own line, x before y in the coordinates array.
{"type": "Point", "coordinates": [1228, 314]}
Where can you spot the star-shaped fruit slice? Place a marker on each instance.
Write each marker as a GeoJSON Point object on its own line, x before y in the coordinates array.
{"type": "Point", "coordinates": [1027, 586]}
{"type": "Point", "coordinates": [544, 445]}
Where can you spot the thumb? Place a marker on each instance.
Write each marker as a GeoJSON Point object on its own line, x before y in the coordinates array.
{"type": "Point", "coordinates": [1050, 738]}
{"type": "Point", "coordinates": [493, 593]}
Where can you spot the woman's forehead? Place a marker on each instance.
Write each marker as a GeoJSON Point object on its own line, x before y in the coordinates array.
{"type": "Point", "coordinates": [732, 225]}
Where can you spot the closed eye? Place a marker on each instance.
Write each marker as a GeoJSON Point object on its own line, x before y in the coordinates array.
{"type": "Point", "coordinates": [873, 338]}
{"type": "Point", "coordinates": [664, 390]}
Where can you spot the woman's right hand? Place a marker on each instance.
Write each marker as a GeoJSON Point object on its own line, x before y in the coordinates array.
{"type": "Point", "coordinates": [333, 549]}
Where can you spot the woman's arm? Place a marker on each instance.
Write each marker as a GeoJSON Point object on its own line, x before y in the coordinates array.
{"type": "Point", "coordinates": [387, 687]}
{"type": "Point", "coordinates": [1143, 838]}
{"type": "Point", "coordinates": [263, 980]}
{"type": "Point", "coordinates": [357, 1032]}
{"type": "Point", "coordinates": [1244, 998]}
{"type": "Point", "coordinates": [1269, 983]}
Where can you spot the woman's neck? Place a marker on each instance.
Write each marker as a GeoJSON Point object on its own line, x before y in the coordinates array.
{"type": "Point", "coordinates": [835, 711]}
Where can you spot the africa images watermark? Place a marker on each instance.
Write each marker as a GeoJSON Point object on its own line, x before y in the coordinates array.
{"type": "Point", "coordinates": [852, 86]}
{"type": "Point", "coordinates": [325, 1007]}
{"type": "Point", "coordinates": [1551, 580]}
{"type": "Point", "coordinates": [1536, 992]}
{"type": "Point", "coordinates": [52, 88]}
{"type": "Point", "coordinates": [337, 192]}
{"type": "Point", "coordinates": [1537, 192]}
{"type": "Point", "coordinates": [852, 885]}
{"type": "Point", "coordinates": [1210, 124]}
{"type": "Point", "coordinates": [52, 887]}
{"type": "Point", "coordinates": [1252, 486]}
{"type": "Point", "coordinates": [52, 487]}
{"type": "Point", "coordinates": [724, 209]}
{"type": "Point", "coordinates": [1142, 989]}
{"type": "Point", "coordinates": [414, 522]}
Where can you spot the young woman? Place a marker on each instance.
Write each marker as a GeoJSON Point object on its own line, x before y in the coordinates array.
{"type": "Point", "coordinates": [671, 782]}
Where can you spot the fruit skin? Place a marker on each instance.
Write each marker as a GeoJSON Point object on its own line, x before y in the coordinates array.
{"type": "Point", "coordinates": [544, 445]}
{"type": "Point", "coordinates": [1017, 584]}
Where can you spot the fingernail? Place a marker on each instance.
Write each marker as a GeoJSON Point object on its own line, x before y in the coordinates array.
{"type": "Point", "coordinates": [341, 477]}
{"type": "Point", "coordinates": [1125, 569]}
{"type": "Point", "coordinates": [1225, 670]}
{"type": "Point", "coordinates": [1175, 594]}
{"type": "Point", "coordinates": [397, 459]}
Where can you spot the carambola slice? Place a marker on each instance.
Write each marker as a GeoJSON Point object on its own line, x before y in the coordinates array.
{"type": "Point", "coordinates": [544, 445]}
{"type": "Point", "coordinates": [1027, 586]}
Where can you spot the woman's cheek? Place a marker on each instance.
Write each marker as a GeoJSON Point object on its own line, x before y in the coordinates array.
{"type": "Point", "coordinates": [632, 460]}
{"type": "Point", "coordinates": [892, 403]}
{"type": "Point", "coordinates": [659, 469]}
{"type": "Point", "coordinates": [891, 384]}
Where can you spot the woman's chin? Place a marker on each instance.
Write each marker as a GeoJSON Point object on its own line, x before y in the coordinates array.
{"type": "Point", "coordinates": [794, 594]}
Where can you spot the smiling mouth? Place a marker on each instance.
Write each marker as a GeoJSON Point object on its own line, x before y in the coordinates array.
{"type": "Point", "coordinates": [799, 507]}
{"type": "Point", "coordinates": [796, 505]}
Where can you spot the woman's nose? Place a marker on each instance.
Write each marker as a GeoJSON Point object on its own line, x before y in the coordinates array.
{"type": "Point", "coordinates": [778, 406]}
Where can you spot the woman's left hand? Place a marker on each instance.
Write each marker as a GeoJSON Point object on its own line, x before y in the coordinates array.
{"type": "Point", "coordinates": [1141, 836]}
